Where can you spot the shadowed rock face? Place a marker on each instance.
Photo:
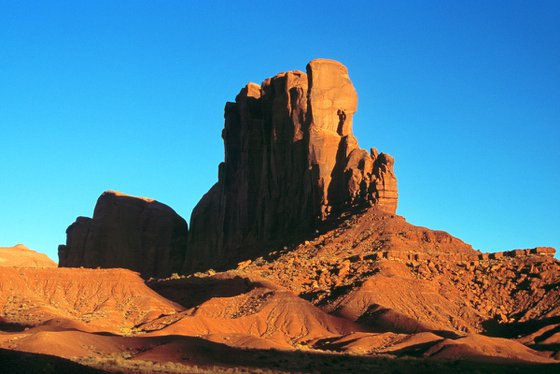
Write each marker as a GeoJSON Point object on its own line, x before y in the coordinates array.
{"type": "Point", "coordinates": [129, 232]}
{"type": "Point", "coordinates": [291, 162]}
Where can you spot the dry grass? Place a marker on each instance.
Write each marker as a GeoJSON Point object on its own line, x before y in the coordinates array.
{"type": "Point", "coordinates": [119, 364]}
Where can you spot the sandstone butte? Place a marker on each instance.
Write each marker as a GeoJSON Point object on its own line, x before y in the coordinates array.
{"type": "Point", "coordinates": [316, 272]}
{"type": "Point", "coordinates": [130, 232]}
{"type": "Point", "coordinates": [291, 164]}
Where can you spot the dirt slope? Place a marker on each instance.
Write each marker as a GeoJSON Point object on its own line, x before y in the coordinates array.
{"type": "Point", "coordinates": [21, 256]}
{"type": "Point", "coordinates": [102, 300]}
{"type": "Point", "coordinates": [110, 319]}
{"type": "Point", "coordinates": [257, 312]}
{"type": "Point", "coordinates": [372, 285]}
{"type": "Point", "coordinates": [19, 362]}
{"type": "Point", "coordinates": [379, 270]}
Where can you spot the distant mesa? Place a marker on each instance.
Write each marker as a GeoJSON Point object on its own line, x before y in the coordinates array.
{"type": "Point", "coordinates": [129, 232]}
{"type": "Point", "coordinates": [21, 256]}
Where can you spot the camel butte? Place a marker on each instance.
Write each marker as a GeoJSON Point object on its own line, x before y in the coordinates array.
{"type": "Point", "coordinates": [294, 261]}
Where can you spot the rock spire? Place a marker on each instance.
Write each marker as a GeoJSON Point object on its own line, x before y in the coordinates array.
{"type": "Point", "coordinates": [291, 162]}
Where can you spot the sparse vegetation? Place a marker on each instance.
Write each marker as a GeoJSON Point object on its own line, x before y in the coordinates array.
{"type": "Point", "coordinates": [118, 364]}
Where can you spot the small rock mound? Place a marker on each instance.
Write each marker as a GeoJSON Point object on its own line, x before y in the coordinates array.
{"type": "Point", "coordinates": [21, 256]}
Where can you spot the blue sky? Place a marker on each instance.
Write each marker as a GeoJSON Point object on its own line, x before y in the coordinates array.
{"type": "Point", "coordinates": [129, 95]}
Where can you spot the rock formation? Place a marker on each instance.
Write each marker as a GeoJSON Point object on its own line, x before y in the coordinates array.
{"type": "Point", "coordinates": [291, 162]}
{"type": "Point", "coordinates": [323, 264]}
{"type": "Point", "coordinates": [129, 232]}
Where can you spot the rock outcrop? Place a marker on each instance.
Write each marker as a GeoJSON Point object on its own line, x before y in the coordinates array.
{"type": "Point", "coordinates": [129, 232]}
{"type": "Point", "coordinates": [291, 162]}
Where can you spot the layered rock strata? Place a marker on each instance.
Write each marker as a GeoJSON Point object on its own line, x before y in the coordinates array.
{"type": "Point", "coordinates": [129, 232]}
{"type": "Point", "coordinates": [291, 162]}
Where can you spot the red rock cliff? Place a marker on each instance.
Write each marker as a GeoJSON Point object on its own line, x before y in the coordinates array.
{"type": "Point", "coordinates": [291, 162]}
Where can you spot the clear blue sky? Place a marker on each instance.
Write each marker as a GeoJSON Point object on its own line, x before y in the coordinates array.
{"type": "Point", "coordinates": [129, 95]}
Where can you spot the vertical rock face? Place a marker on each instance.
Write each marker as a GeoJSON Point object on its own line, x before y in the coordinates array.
{"type": "Point", "coordinates": [130, 232]}
{"type": "Point", "coordinates": [291, 162]}
{"type": "Point", "coordinates": [262, 189]}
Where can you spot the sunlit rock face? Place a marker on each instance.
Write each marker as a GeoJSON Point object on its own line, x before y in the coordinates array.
{"type": "Point", "coordinates": [291, 162]}
{"type": "Point", "coordinates": [127, 232]}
